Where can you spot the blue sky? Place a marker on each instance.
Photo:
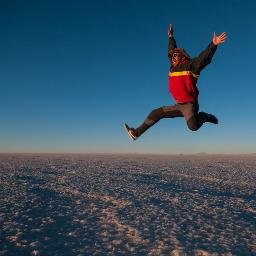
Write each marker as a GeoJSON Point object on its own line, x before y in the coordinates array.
{"type": "Point", "coordinates": [72, 72]}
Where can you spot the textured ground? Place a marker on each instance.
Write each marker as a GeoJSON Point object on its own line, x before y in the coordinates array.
{"type": "Point", "coordinates": [127, 205]}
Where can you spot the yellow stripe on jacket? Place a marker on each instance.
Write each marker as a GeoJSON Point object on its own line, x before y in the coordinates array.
{"type": "Point", "coordinates": [183, 73]}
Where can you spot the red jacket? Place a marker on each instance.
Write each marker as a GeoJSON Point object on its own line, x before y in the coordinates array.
{"type": "Point", "coordinates": [183, 78]}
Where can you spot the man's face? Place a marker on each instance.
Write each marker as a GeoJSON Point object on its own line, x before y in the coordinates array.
{"type": "Point", "coordinates": [176, 59]}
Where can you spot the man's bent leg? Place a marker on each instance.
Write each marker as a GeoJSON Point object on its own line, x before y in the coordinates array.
{"type": "Point", "coordinates": [194, 119]}
{"type": "Point", "coordinates": [190, 112]}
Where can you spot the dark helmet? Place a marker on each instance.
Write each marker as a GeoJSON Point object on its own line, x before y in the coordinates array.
{"type": "Point", "coordinates": [179, 50]}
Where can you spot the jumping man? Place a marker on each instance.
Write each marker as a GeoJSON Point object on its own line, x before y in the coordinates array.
{"type": "Point", "coordinates": [183, 75]}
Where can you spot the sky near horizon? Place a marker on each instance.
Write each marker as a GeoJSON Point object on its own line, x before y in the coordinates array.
{"type": "Point", "coordinates": [72, 72]}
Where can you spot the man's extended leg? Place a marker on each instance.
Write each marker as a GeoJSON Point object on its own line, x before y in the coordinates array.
{"type": "Point", "coordinates": [152, 118]}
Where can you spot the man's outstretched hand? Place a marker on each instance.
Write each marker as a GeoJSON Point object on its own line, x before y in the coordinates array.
{"type": "Point", "coordinates": [219, 39]}
{"type": "Point", "coordinates": [170, 31]}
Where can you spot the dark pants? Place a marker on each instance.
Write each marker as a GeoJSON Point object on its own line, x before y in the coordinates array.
{"type": "Point", "coordinates": [187, 110]}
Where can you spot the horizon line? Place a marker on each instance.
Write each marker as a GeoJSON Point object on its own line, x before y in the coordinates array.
{"type": "Point", "coordinates": [121, 153]}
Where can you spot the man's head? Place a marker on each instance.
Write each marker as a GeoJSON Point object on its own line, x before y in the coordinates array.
{"type": "Point", "coordinates": [178, 55]}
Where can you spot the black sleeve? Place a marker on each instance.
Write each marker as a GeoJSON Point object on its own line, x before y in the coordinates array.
{"type": "Point", "coordinates": [171, 45]}
{"type": "Point", "coordinates": [204, 58]}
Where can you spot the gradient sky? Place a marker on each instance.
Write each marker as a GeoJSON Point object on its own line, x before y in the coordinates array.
{"type": "Point", "coordinates": [72, 72]}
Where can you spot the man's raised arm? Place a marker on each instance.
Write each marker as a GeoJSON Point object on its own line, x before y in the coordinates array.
{"type": "Point", "coordinates": [205, 56]}
{"type": "Point", "coordinates": [171, 42]}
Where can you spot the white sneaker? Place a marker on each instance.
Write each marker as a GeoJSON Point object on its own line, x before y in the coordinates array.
{"type": "Point", "coordinates": [130, 132]}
